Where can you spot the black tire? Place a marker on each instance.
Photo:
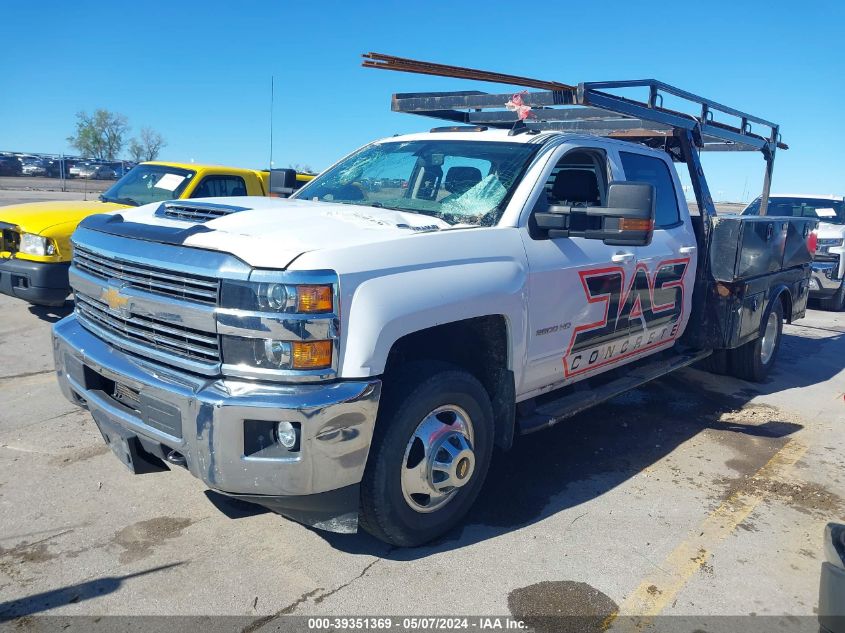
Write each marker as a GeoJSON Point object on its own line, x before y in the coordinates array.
{"type": "Point", "coordinates": [410, 396]}
{"type": "Point", "coordinates": [835, 302]}
{"type": "Point", "coordinates": [716, 363]}
{"type": "Point", "coordinates": [746, 361]}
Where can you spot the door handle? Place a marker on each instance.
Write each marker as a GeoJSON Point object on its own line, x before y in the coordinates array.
{"type": "Point", "coordinates": [686, 250]}
{"type": "Point", "coordinates": [621, 256]}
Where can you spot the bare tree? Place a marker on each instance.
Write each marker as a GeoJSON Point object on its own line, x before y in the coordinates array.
{"type": "Point", "coordinates": [136, 151]}
{"type": "Point", "coordinates": [302, 168]}
{"type": "Point", "coordinates": [100, 135]}
{"type": "Point", "coordinates": [152, 142]}
{"type": "Point", "coordinates": [148, 146]}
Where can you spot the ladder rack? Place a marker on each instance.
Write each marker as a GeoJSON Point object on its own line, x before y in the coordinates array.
{"type": "Point", "coordinates": [587, 107]}
{"type": "Point", "coordinates": [590, 108]}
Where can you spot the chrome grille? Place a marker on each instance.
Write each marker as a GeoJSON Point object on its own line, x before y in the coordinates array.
{"type": "Point", "coordinates": [163, 282]}
{"type": "Point", "coordinates": [164, 337]}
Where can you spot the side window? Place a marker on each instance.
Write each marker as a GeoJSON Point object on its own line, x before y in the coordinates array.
{"type": "Point", "coordinates": [641, 168]}
{"type": "Point", "coordinates": [578, 179]}
{"type": "Point", "coordinates": [220, 187]}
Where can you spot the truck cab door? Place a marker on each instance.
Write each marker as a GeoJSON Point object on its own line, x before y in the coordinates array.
{"type": "Point", "coordinates": [575, 285]}
{"type": "Point", "coordinates": [660, 297]}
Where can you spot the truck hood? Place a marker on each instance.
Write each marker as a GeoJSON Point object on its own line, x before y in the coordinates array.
{"type": "Point", "coordinates": [272, 232]}
{"type": "Point", "coordinates": [828, 230]}
{"type": "Point", "coordinates": [36, 217]}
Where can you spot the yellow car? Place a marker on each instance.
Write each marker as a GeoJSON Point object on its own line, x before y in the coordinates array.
{"type": "Point", "coordinates": [35, 247]}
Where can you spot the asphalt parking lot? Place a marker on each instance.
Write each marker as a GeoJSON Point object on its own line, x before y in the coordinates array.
{"type": "Point", "coordinates": [698, 495]}
{"type": "Point", "coordinates": [28, 184]}
{"type": "Point", "coordinates": [18, 190]}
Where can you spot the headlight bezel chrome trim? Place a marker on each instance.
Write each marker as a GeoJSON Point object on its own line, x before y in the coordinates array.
{"type": "Point", "coordinates": [250, 322]}
{"type": "Point", "coordinates": [250, 294]}
{"type": "Point", "coordinates": [831, 242]}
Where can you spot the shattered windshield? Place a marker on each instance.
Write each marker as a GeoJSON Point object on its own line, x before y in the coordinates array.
{"type": "Point", "coordinates": [459, 182]}
{"type": "Point", "coordinates": [144, 184]}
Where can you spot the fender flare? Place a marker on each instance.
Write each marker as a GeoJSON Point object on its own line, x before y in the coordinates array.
{"type": "Point", "coordinates": [775, 293]}
{"type": "Point", "coordinates": [386, 308]}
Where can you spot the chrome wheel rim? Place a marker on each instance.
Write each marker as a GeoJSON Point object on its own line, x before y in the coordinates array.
{"type": "Point", "coordinates": [767, 345]}
{"type": "Point", "coordinates": [439, 459]}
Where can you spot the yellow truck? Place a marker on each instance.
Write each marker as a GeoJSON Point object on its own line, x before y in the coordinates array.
{"type": "Point", "coordinates": [35, 249]}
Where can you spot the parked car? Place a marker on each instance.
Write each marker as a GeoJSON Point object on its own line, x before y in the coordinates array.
{"type": "Point", "coordinates": [10, 166]}
{"type": "Point", "coordinates": [119, 168]}
{"type": "Point", "coordinates": [58, 167]}
{"type": "Point", "coordinates": [827, 283]}
{"type": "Point", "coordinates": [34, 167]}
{"type": "Point", "coordinates": [35, 245]}
{"type": "Point", "coordinates": [96, 171]}
{"type": "Point", "coordinates": [74, 169]}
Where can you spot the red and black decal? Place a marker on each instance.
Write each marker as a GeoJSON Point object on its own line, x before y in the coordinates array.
{"type": "Point", "coordinates": [638, 316]}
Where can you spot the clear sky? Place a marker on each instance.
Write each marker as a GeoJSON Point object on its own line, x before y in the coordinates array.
{"type": "Point", "coordinates": [199, 72]}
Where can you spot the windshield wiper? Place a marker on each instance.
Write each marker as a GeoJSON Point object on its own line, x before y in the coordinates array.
{"type": "Point", "coordinates": [127, 201]}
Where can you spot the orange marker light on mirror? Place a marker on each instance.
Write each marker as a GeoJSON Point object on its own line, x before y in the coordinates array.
{"type": "Point", "coordinates": [628, 224]}
{"type": "Point", "coordinates": [314, 299]}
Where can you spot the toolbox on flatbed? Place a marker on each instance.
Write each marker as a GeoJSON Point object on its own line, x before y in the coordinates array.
{"type": "Point", "coordinates": [743, 247]}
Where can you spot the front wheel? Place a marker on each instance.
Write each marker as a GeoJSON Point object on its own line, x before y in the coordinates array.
{"type": "Point", "coordinates": [753, 360]}
{"type": "Point", "coordinates": [430, 454]}
{"type": "Point", "coordinates": [836, 301]}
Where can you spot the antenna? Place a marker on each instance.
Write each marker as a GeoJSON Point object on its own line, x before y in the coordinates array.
{"type": "Point", "coordinates": [272, 81]}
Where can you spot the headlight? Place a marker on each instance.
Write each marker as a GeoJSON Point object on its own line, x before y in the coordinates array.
{"type": "Point", "coordinates": [36, 245]}
{"type": "Point", "coordinates": [278, 297]}
{"type": "Point", "coordinates": [272, 354]}
{"type": "Point", "coordinates": [831, 241]}
{"type": "Point", "coordinates": [281, 325]}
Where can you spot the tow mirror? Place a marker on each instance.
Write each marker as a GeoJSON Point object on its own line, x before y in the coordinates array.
{"type": "Point", "coordinates": [282, 182]}
{"type": "Point", "coordinates": [627, 220]}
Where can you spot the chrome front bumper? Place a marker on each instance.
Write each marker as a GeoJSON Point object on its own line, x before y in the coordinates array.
{"type": "Point", "coordinates": [336, 420]}
{"type": "Point", "coordinates": [825, 278]}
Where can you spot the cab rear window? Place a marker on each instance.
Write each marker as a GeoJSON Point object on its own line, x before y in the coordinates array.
{"type": "Point", "coordinates": [220, 187]}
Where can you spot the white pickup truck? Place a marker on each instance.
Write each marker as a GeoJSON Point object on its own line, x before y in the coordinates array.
{"type": "Point", "coordinates": [353, 354]}
{"type": "Point", "coordinates": [827, 283]}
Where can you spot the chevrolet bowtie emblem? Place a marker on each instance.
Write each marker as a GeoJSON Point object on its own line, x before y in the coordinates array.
{"type": "Point", "coordinates": [114, 300]}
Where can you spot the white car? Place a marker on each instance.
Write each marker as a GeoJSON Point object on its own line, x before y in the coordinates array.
{"type": "Point", "coordinates": [96, 171]}
{"type": "Point", "coordinates": [33, 168]}
{"type": "Point", "coordinates": [828, 281]}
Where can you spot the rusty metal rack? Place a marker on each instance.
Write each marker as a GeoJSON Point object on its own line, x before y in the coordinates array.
{"type": "Point", "coordinates": [589, 108]}
{"type": "Point", "coordinates": [586, 108]}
